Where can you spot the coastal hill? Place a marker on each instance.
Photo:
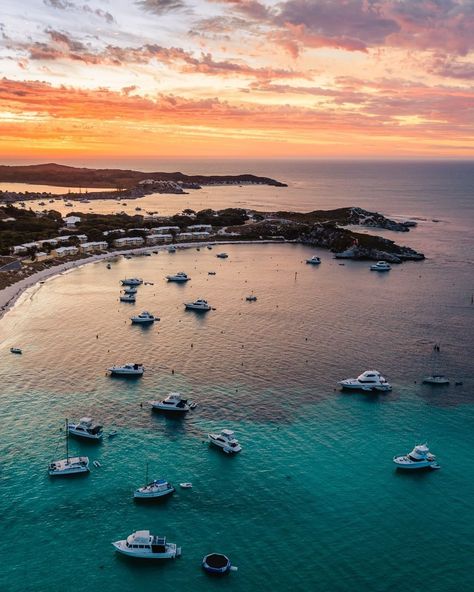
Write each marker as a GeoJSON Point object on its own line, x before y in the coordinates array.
{"type": "Point", "coordinates": [68, 176]}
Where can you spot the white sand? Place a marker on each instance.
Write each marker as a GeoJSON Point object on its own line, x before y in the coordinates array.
{"type": "Point", "coordinates": [9, 295]}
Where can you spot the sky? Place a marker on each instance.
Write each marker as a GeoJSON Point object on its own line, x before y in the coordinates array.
{"type": "Point", "coordinates": [236, 78]}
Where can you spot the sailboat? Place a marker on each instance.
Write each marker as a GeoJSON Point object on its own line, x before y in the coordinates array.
{"type": "Point", "coordinates": [71, 465]}
{"type": "Point", "coordinates": [153, 489]}
{"type": "Point", "coordinates": [435, 378]}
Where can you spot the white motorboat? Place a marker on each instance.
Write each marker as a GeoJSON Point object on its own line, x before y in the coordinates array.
{"type": "Point", "coordinates": [132, 282]}
{"type": "Point", "coordinates": [199, 305]}
{"type": "Point", "coordinates": [222, 255]}
{"type": "Point", "coordinates": [178, 277]}
{"type": "Point", "coordinates": [71, 465]}
{"type": "Point", "coordinates": [225, 440]}
{"type": "Point", "coordinates": [86, 428]}
{"type": "Point", "coordinates": [251, 298]}
{"type": "Point", "coordinates": [143, 545]}
{"type": "Point", "coordinates": [314, 260]}
{"type": "Point", "coordinates": [436, 379]}
{"type": "Point", "coordinates": [158, 488]}
{"type": "Point", "coordinates": [130, 290]}
{"type": "Point", "coordinates": [127, 298]}
{"type": "Point", "coordinates": [381, 266]}
{"type": "Point", "coordinates": [127, 370]}
{"type": "Point", "coordinates": [172, 249]}
{"type": "Point", "coordinates": [419, 458]}
{"type": "Point", "coordinates": [370, 380]}
{"type": "Point", "coordinates": [144, 317]}
{"type": "Point", "coordinates": [186, 485]}
{"type": "Point", "coordinates": [173, 403]}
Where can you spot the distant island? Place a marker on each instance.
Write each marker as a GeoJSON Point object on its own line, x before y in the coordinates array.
{"type": "Point", "coordinates": [123, 182]}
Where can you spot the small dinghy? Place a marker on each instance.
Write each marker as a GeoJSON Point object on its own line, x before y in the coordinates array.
{"type": "Point", "coordinates": [15, 350]}
{"type": "Point", "coordinates": [186, 485]}
{"type": "Point", "coordinates": [251, 298]}
{"type": "Point", "coordinates": [113, 433]}
{"type": "Point", "coordinates": [97, 464]}
{"type": "Point", "coordinates": [217, 564]}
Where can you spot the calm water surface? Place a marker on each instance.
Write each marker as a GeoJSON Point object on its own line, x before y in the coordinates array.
{"type": "Point", "coordinates": [313, 501]}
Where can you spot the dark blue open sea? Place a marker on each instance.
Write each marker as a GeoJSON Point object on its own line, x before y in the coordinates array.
{"type": "Point", "coordinates": [313, 501]}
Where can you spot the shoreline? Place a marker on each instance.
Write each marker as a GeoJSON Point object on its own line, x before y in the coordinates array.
{"type": "Point", "coordinates": [11, 294]}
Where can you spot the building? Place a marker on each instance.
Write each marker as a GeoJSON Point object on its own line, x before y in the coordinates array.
{"type": "Point", "coordinates": [155, 239]}
{"type": "Point", "coordinates": [201, 235]}
{"type": "Point", "coordinates": [165, 230]}
{"type": "Point", "coordinates": [199, 228]}
{"type": "Point", "coordinates": [65, 251]}
{"type": "Point", "coordinates": [128, 241]}
{"type": "Point", "coordinates": [185, 236]}
{"type": "Point", "coordinates": [94, 246]}
{"type": "Point", "coordinates": [71, 221]}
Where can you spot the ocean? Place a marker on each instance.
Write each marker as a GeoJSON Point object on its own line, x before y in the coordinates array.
{"type": "Point", "coordinates": [313, 501]}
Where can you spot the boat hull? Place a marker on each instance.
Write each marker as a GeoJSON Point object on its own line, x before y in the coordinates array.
{"type": "Point", "coordinates": [224, 447]}
{"type": "Point", "coordinates": [143, 554]}
{"type": "Point", "coordinates": [169, 410]}
{"type": "Point", "coordinates": [415, 466]}
{"type": "Point", "coordinates": [142, 496]}
{"type": "Point", "coordinates": [85, 436]}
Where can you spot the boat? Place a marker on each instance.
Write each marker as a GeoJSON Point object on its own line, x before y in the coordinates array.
{"type": "Point", "coordinates": [109, 266]}
{"type": "Point", "coordinates": [127, 298]}
{"type": "Point", "coordinates": [419, 458]}
{"type": "Point", "coordinates": [158, 488]}
{"type": "Point", "coordinates": [178, 277]}
{"type": "Point", "coordinates": [86, 429]}
{"type": "Point", "coordinates": [217, 564]}
{"type": "Point", "coordinates": [209, 247]}
{"type": "Point", "coordinates": [251, 298]}
{"type": "Point", "coordinates": [173, 403]}
{"type": "Point", "coordinates": [144, 317]}
{"type": "Point", "coordinates": [211, 273]}
{"type": "Point", "coordinates": [225, 440]}
{"type": "Point", "coordinates": [127, 370]}
{"type": "Point", "coordinates": [186, 485]}
{"type": "Point", "coordinates": [436, 378]}
{"type": "Point", "coordinates": [132, 282]}
{"type": "Point", "coordinates": [15, 350]}
{"type": "Point", "coordinates": [199, 305]}
{"type": "Point", "coordinates": [314, 260]}
{"type": "Point", "coordinates": [380, 266]}
{"type": "Point", "coordinates": [130, 290]}
{"type": "Point", "coordinates": [370, 380]}
{"type": "Point", "coordinates": [71, 465]}
{"type": "Point", "coordinates": [172, 249]}
{"type": "Point", "coordinates": [222, 255]}
{"type": "Point", "coordinates": [143, 545]}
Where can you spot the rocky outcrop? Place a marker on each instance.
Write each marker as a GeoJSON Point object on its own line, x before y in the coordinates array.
{"type": "Point", "coordinates": [353, 245]}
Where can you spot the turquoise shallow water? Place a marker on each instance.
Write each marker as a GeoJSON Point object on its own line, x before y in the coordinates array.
{"type": "Point", "coordinates": [313, 501]}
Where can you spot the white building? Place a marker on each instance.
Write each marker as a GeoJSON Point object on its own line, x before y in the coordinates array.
{"type": "Point", "coordinates": [155, 239]}
{"type": "Point", "coordinates": [202, 235]}
{"type": "Point", "coordinates": [128, 241]}
{"type": "Point", "coordinates": [165, 229]}
{"type": "Point", "coordinates": [94, 246]}
{"type": "Point", "coordinates": [64, 251]}
{"type": "Point", "coordinates": [185, 236]}
{"type": "Point", "coordinates": [71, 221]}
{"type": "Point", "coordinates": [199, 228]}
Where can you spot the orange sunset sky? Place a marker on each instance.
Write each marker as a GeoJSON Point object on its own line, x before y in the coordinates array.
{"type": "Point", "coordinates": [236, 78]}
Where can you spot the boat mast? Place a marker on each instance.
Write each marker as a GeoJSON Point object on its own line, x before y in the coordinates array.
{"type": "Point", "coordinates": [146, 474]}
{"type": "Point", "coordinates": [67, 441]}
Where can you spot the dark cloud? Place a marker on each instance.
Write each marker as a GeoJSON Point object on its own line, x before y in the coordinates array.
{"type": "Point", "coordinates": [161, 6]}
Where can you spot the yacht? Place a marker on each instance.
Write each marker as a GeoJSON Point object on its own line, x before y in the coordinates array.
{"type": "Point", "coordinates": [314, 260]}
{"type": "Point", "coordinates": [225, 440]}
{"type": "Point", "coordinates": [199, 305]}
{"type": "Point", "coordinates": [178, 277]}
{"type": "Point", "coordinates": [222, 255]}
{"type": "Point", "coordinates": [370, 380]}
{"type": "Point", "coordinates": [172, 249]}
{"type": "Point", "coordinates": [127, 370]}
{"type": "Point", "coordinates": [132, 282]}
{"type": "Point", "coordinates": [71, 465]}
{"type": "Point", "coordinates": [380, 266]}
{"type": "Point", "coordinates": [86, 429]}
{"type": "Point", "coordinates": [144, 317]}
{"type": "Point", "coordinates": [127, 297]}
{"type": "Point", "coordinates": [419, 458]}
{"type": "Point", "coordinates": [173, 403]}
{"type": "Point", "coordinates": [143, 545]}
{"type": "Point", "coordinates": [436, 379]}
{"type": "Point", "coordinates": [155, 489]}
